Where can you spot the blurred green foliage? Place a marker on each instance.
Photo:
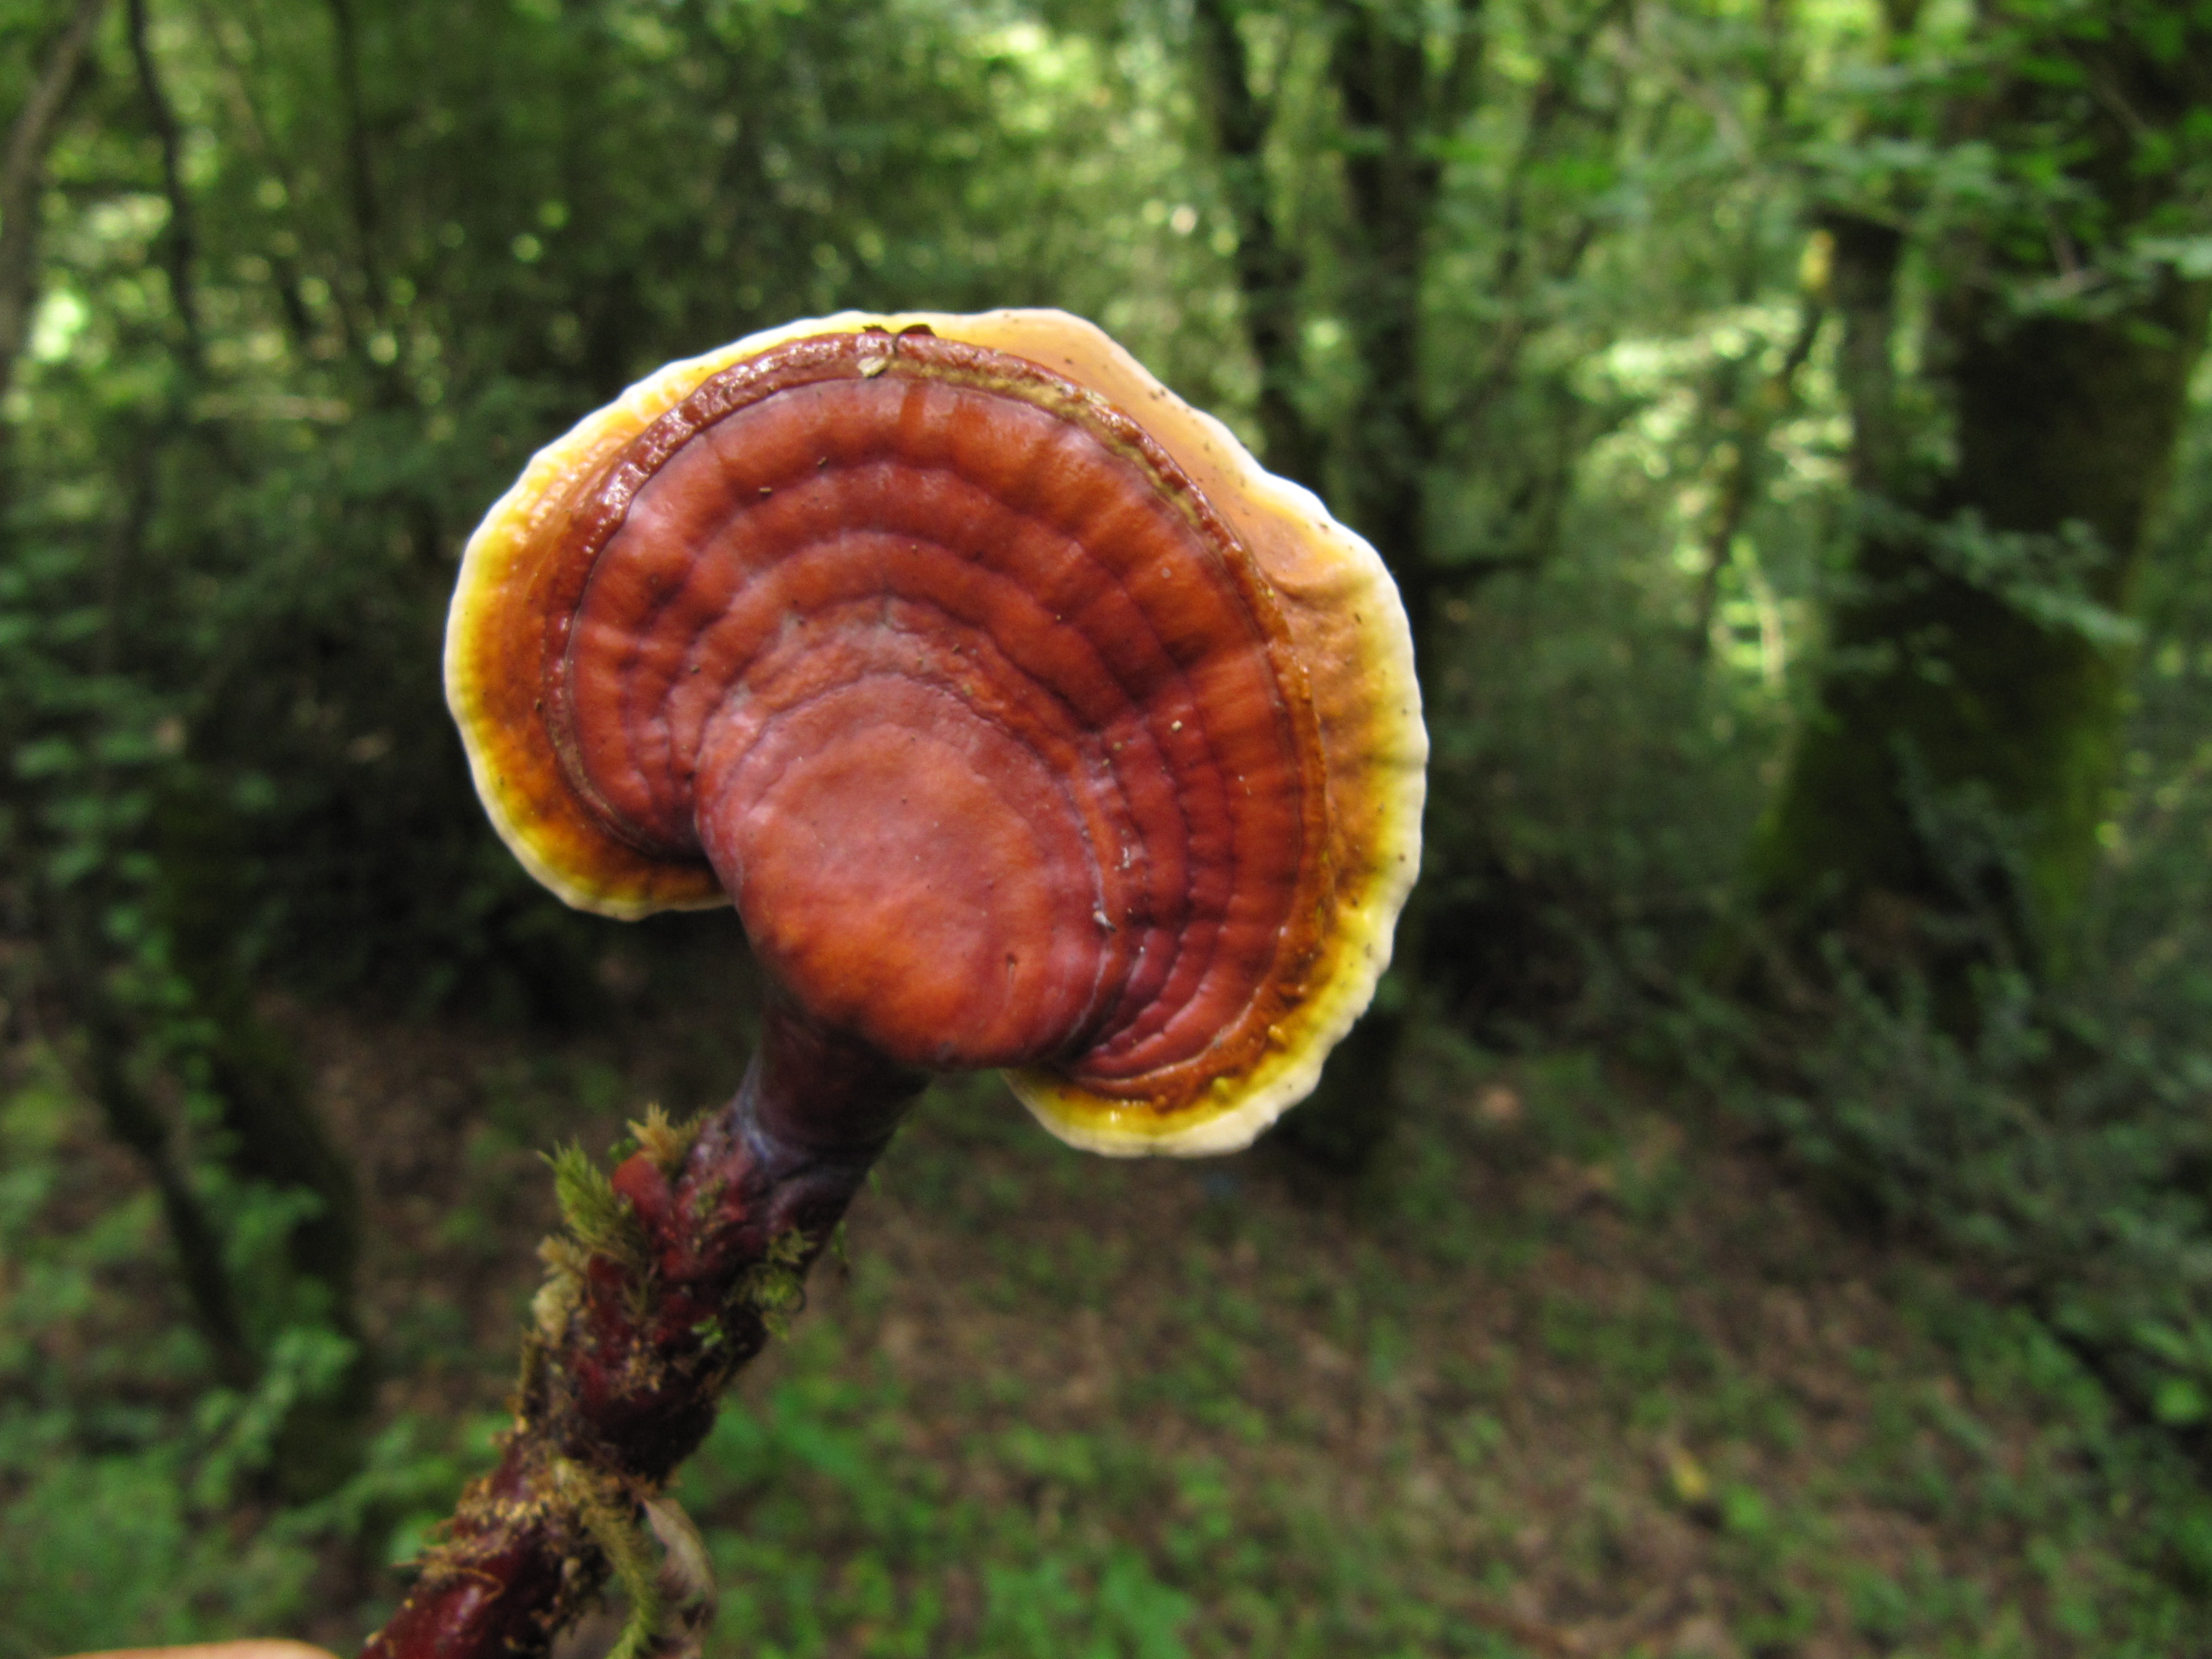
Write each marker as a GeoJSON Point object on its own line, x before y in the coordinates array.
{"type": "Point", "coordinates": [309, 284]}
{"type": "Point", "coordinates": [133, 1506]}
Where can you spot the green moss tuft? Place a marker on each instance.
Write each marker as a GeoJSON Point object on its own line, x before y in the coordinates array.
{"type": "Point", "coordinates": [666, 1142]}
{"type": "Point", "coordinates": [600, 1218]}
{"type": "Point", "coordinates": [776, 1287]}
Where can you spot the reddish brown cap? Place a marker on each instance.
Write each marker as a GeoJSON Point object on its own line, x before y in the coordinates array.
{"type": "Point", "coordinates": [1028, 721]}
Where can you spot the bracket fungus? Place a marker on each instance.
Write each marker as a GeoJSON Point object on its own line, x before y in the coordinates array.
{"type": "Point", "coordinates": [1027, 721]}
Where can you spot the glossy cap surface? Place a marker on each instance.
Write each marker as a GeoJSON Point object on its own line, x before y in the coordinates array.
{"type": "Point", "coordinates": [1028, 721]}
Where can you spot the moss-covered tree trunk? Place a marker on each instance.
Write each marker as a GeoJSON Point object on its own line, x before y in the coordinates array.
{"type": "Point", "coordinates": [1942, 808]}
{"type": "Point", "coordinates": [1968, 721]}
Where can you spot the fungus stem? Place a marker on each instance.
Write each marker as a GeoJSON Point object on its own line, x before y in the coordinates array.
{"type": "Point", "coordinates": [631, 1349]}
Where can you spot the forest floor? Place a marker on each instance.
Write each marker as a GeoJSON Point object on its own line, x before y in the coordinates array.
{"type": "Point", "coordinates": [1571, 1372]}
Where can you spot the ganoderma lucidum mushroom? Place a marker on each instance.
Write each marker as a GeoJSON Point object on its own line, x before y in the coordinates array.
{"type": "Point", "coordinates": [1028, 722]}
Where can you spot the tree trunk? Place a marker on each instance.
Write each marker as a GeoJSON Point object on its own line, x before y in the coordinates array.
{"type": "Point", "coordinates": [1394, 116]}
{"type": "Point", "coordinates": [1969, 718]}
{"type": "Point", "coordinates": [271, 1134]}
{"type": "Point", "coordinates": [23, 175]}
{"type": "Point", "coordinates": [1268, 270]}
{"type": "Point", "coordinates": [1942, 805]}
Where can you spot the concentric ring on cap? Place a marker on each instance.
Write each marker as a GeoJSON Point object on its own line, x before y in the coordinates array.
{"type": "Point", "coordinates": [1306, 647]}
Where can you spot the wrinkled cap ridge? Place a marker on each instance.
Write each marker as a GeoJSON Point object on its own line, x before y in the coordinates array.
{"type": "Point", "coordinates": [1027, 721]}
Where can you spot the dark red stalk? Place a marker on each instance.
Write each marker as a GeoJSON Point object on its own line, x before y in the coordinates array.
{"type": "Point", "coordinates": [635, 1339]}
